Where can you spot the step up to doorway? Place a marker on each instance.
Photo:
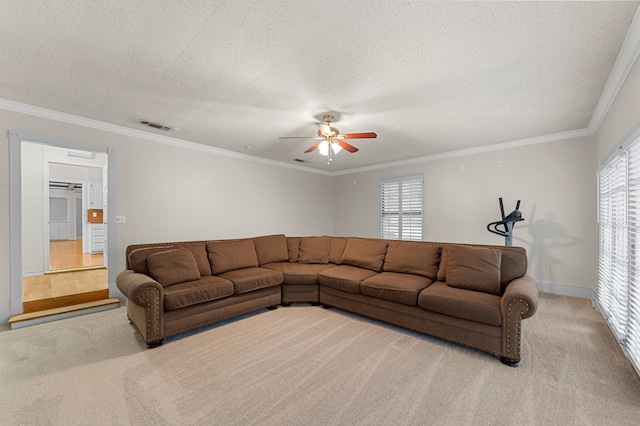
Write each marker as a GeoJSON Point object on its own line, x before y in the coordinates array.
{"type": "Point", "coordinates": [40, 317]}
{"type": "Point", "coordinates": [63, 301]}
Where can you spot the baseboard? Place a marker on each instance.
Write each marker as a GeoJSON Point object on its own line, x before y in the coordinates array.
{"type": "Point", "coordinates": [35, 318]}
{"type": "Point", "coordinates": [6, 314]}
{"type": "Point", "coordinates": [567, 290]}
{"type": "Point", "coordinates": [114, 293]}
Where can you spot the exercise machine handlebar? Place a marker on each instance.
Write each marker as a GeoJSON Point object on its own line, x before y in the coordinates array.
{"type": "Point", "coordinates": [507, 223]}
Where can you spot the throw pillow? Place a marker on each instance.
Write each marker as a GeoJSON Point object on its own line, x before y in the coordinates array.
{"type": "Point", "coordinates": [416, 258]}
{"type": "Point", "coordinates": [199, 252]}
{"type": "Point", "coordinates": [474, 268]}
{"type": "Point", "coordinates": [337, 249]}
{"type": "Point", "coordinates": [173, 267]}
{"type": "Point", "coordinates": [368, 254]}
{"type": "Point", "coordinates": [271, 248]}
{"type": "Point", "coordinates": [293, 247]}
{"type": "Point", "coordinates": [138, 258]}
{"type": "Point", "coordinates": [231, 255]}
{"type": "Point", "coordinates": [314, 250]}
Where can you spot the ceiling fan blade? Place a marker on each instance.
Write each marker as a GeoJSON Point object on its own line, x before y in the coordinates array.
{"type": "Point", "coordinates": [313, 147]}
{"type": "Point", "coordinates": [346, 146]}
{"type": "Point", "coordinates": [299, 137]}
{"type": "Point", "coordinates": [324, 128]}
{"type": "Point", "coordinates": [365, 135]}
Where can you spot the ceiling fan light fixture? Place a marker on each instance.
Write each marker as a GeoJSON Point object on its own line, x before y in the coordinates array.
{"type": "Point", "coordinates": [323, 148]}
{"type": "Point", "coordinates": [331, 141]}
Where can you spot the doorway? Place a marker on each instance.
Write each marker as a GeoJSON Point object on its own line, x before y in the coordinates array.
{"type": "Point", "coordinates": [33, 260]}
{"type": "Point", "coordinates": [75, 240]}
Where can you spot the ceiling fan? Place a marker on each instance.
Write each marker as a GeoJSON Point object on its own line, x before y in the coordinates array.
{"type": "Point", "coordinates": [331, 141]}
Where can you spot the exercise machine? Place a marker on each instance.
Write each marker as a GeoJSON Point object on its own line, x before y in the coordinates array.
{"type": "Point", "coordinates": [504, 227]}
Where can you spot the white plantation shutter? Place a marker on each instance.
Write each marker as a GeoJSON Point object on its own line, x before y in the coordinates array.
{"type": "Point", "coordinates": [632, 341]}
{"type": "Point", "coordinates": [613, 274]}
{"type": "Point", "coordinates": [401, 207]}
{"type": "Point", "coordinates": [619, 253]}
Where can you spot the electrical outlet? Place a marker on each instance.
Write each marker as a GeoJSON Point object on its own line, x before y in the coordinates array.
{"type": "Point", "coordinates": [120, 218]}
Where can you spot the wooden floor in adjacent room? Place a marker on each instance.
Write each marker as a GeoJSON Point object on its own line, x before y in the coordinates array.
{"type": "Point", "coordinates": [67, 254]}
{"type": "Point", "coordinates": [75, 278]}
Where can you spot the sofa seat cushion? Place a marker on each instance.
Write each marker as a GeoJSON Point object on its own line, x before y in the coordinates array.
{"type": "Point", "coordinates": [395, 287]}
{"type": "Point", "coordinates": [299, 273]}
{"type": "Point", "coordinates": [345, 277]}
{"type": "Point", "coordinates": [249, 279]}
{"type": "Point", "coordinates": [193, 292]}
{"type": "Point", "coordinates": [466, 304]}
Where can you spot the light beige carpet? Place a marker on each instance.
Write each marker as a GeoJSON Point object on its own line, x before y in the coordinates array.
{"type": "Point", "coordinates": [307, 365]}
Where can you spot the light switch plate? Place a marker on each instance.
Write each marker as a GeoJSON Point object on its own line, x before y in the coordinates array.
{"type": "Point", "coordinates": [120, 218]}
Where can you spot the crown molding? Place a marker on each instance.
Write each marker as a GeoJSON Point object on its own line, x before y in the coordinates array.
{"type": "Point", "coordinates": [125, 131]}
{"type": "Point", "coordinates": [40, 112]}
{"type": "Point", "coordinates": [554, 137]}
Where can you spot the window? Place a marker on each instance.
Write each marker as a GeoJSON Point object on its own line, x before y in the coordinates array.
{"type": "Point", "coordinates": [401, 207]}
{"type": "Point", "coordinates": [619, 248]}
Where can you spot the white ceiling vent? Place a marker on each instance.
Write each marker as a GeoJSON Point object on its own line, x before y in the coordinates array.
{"type": "Point", "coordinates": [154, 125]}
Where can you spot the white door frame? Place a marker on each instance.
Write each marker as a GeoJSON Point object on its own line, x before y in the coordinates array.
{"type": "Point", "coordinates": [15, 200]}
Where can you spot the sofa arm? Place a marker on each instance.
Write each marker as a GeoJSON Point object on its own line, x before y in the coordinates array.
{"type": "Point", "coordinates": [522, 291]}
{"type": "Point", "coordinates": [145, 307]}
{"type": "Point", "coordinates": [520, 301]}
{"type": "Point", "coordinates": [138, 287]}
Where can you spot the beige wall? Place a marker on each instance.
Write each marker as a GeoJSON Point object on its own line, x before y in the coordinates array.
{"type": "Point", "coordinates": [172, 193]}
{"type": "Point", "coordinates": [555, 181]}
{"type": "Point", "coordinates": [622, 116]}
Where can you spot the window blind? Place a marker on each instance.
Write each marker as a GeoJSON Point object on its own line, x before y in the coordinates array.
{"type": "Point", "coordinates": [401, 207]}
{"type": "Point", "coordinates": [618, 294]}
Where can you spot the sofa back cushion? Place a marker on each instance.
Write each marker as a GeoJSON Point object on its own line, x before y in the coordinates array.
{"type": "Point", "coordinates": [512, 265]}
{"type": "Point", "coordinates": [336, 250]}
{"type": "Point", "coordinates": [138, 258]}
{"type": "Point", "coordinates": [271, 249]}
{"type": "Point", "coordinates": [293, 247]}
{"type": "Point", "coordinates": [474, 268]}
{"type": "Point", "coordinates": [314, 250]}
{"type": "Point", "coordinates": [409, 257]}
{"type": "Point", "coordinates": [171, 267]}
{"type": "Point", "coordinates": [230, 255]}
{"type": "Point", "coordinates": [199, 252]}
{"type": "Point", "coordinates": [363, 253]}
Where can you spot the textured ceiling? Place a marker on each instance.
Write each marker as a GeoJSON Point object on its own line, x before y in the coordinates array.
{"type": "Point", "coordinates": [428, 77]}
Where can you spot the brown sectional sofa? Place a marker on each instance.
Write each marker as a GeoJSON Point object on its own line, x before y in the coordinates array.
{"type": "Point", "coordinates": [475, 295]}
